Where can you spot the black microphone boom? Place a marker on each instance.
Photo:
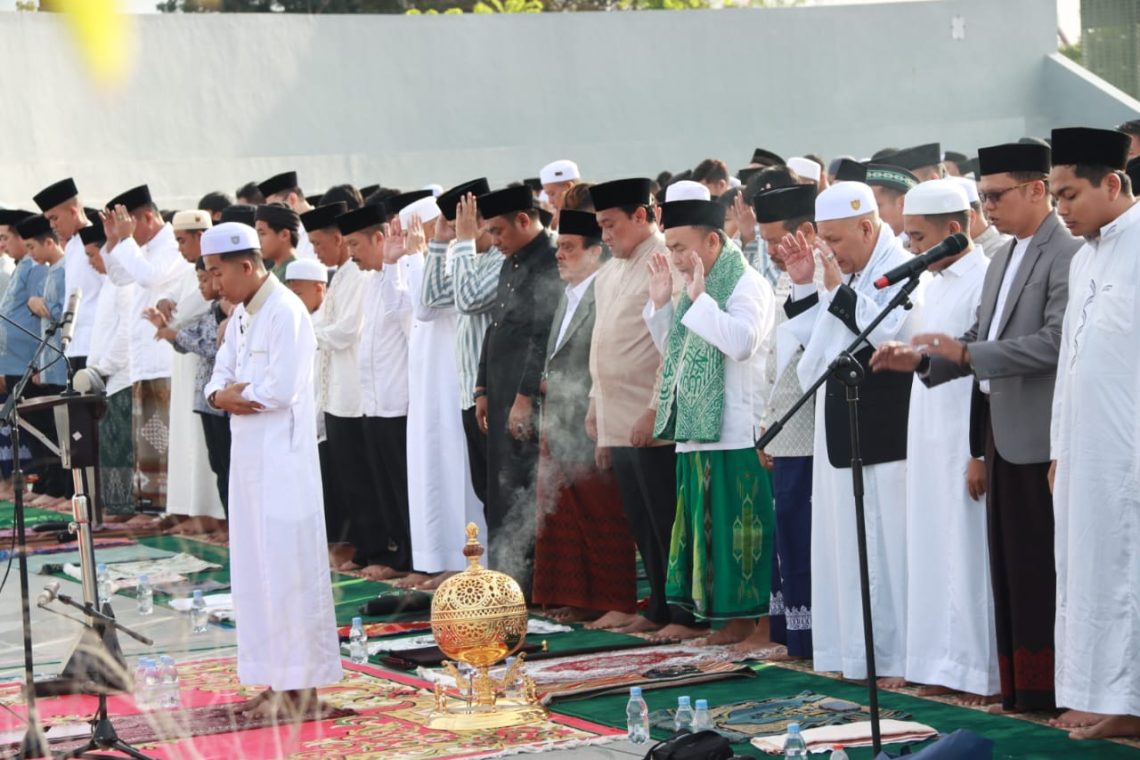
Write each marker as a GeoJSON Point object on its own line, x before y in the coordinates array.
{"type": "Point", "coordinates": [951, 246]}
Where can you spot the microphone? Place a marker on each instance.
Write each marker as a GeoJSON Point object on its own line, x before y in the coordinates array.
{"type": "Point", "coordinates": [47, 596]}
{"type": "Point", "coordinates": [951, 246]}
{"type": "Point", "coordinates": [67, 326]}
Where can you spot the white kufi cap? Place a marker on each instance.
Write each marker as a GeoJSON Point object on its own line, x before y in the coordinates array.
{"type": "Point", "coordinates": [805, 167]}
{"type": "Point", "coordinates": [562, 170]}
{"type": "Point", "coordinates": [229, 237]}
{"type": "Point", "coordinates": [844, 200]}
{"type": "Point", "coordinates": [194, 219]}
{"type": "Point", "coordinates": [425, 208]}
{"type": "Point", "coordinates": [970, 186]}
{"type": "Point", "coordinates": [938, 196]}
{"type": "Point", "coordinates": [687, 190]}
{"type": "Point", "coordinates": [436, 190]}
{"type": "Point", "coordinates": [306, 269]}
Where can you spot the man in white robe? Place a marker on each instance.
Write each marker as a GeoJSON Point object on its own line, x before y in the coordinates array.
{"type": "Point", "coordinates": [951, 644]}
{"type": "Point", "coordinates": [861, 249]}
{"type": "Point", "coordinates": [263, 376]}
{"type": "Point", "coordinates": [1094, 438]}
{"type": "Point", "coordinates": [441, 497]}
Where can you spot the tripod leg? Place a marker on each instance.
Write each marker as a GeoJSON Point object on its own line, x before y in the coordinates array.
{"type": "Point", "coordinates": [128, 750]}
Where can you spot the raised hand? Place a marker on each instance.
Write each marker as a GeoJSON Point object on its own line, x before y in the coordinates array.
{"type": "Point", "coordinates": [466, 218]}
{"type": "Point", "coordinates": [660, 281]}
{"type": "Point", "coordinates": [444, 230]}
{"type": "Point", "coordinates": [123, 224]}
{"type": "Point", "coordinates": [393, 242]}
{"type": "Point", "coordinates": [697, 278]}
{"type": "Point", "coordinates": [415, 241]}
{"type": "Point", "coordinates": [832, 274]}
{"type": "Point", "coordinates": [798, 257]}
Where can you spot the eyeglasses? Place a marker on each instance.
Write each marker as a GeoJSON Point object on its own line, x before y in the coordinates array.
{"type": "Point", "coordinates": [995, 195]}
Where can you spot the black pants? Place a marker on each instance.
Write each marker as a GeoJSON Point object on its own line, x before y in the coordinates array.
{"type": "Point", "coordinates": [1019, 521]}
{"type": "Point", "coordinates": [476, 453]}
{"type": "Point", "coordinates": [647, 478]}
{"type": "Point", "coordinates": [381, 533]}
{"type": "Point", "coordinates": [216, 429]}
{"type": "Point", "coordinates": [53, 480]}
{"type": "Point", "coordinates": [344, 473]}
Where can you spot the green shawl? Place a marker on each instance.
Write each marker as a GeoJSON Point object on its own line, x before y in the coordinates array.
{"type": "Point", "coordinates": [691, 401]}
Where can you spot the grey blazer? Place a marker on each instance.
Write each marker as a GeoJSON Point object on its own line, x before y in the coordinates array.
{"type": "Point", "coordinates": [567, 376]}
{"type": "Point", "coordinates": [1021, 364]}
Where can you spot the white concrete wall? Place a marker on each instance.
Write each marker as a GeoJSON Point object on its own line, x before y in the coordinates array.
{"type": "Point", "coordinates": [218, 99]}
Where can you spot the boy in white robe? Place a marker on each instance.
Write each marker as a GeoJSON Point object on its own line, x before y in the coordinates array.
{"type": "Point", "coordinates": [263, 376]}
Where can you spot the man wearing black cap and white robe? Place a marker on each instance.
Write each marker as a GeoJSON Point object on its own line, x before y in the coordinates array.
{"type": "Point", "coordinates": [263, 376]}
{"type": "Point", "coordinates": [924, 161]}
{"type": "Point", "coordinates": [857, 247]}
{"type": "Point", "coordinates": [284, 188]}
{"type": "Point", "coordinates": [510, 369]}
{"type": "Point", "coordinates": [1011, 350]}
{"type": "Point", "coordinates": [141, 249]}
{"type": "Point", "coordinates": [1095, 436]}
{"type": "Point", "coordinates": [59, 202]}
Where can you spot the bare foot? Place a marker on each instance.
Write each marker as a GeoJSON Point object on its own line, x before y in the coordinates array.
{"type": "Point", "coordinates": [759, 646]}
{"type": "Point", "coordinates": [348, 567]}
{"type": "Point", "coordinates": [218, 538]}
{"type": "Point", "coordinates": [1000, 709]}
{"type": "Point", "coordinates": [734, 632]}
{"type": "Point", "coordinates": [612, 620]}
{"type": "Point", "coordinates": [930, 690]}
{"type": "Point", "coordinates": [976, 700]}
{"type": "Point", "coordinates": [434, 582]}
{"type": "Point", "coordinates": [676, 632]}
{"type": "Point", "coordinates": [639, 624]}
{"type": "Point", "coordinates": [1076, 719]}
{"type": "Point", "coordinates": [411, 580]}
{"type": "Point", "coordinates": [1123, 726]}
{"type": "Point", "coordinates": [378, 572]}
{"type": "Point", "coordinates": [891, 682]}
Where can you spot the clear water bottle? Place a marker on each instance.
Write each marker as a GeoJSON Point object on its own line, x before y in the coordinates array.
{"type": "Point", "coordinates": [358, 642]}
{"type": "Point", "coordinates": [701, 719]}
{"type": "Point", "coordinates": [636, 717]}
{"type": "Point", "coordinates": [794, 744]}
{"type": "Point", "coordinates": [151, 681]}
{"type": "Point", "coordinates": [837, 752]}
{"type": "Point", "coordinates": [142, 696]}
{"type": "Point", "coordinates": [198, 615]}
{"type": "Point", "coordinates": [170, 694]}
{"type": "Point", "coordinates": [103, 582]}
{"type": "Point", "coordinates": [145, 595]}
{"type": "Point", "coordinates": [683, 719]}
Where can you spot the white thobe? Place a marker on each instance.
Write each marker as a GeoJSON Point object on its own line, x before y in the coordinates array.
{"type": "Point", "coordinates": [441, 499]}
{"type": "Point", "coordinates": [1096, 496]}
{"type": "Point", "coordinates": [286, 633]}
{"type": "Point", "coordinates": [191, 488]}
{"type": "Point", "coordinates": [836, 602]}
{"type": "Point", "coordinates": [109, 352]}
{"type": "Point", "coordinates": [338, 326]}
{"type": "Point", "coordinates": [304, 248]}
{"type": "Point", "coordinates": [950, 638]}
{"type": "Point", "coordinates": [160, 272]}
{"type": "Point", "coordinates": [78, 273]}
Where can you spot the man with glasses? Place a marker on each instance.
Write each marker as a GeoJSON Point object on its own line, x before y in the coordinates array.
{"type": "Point", "coordinates": [1012, 352]}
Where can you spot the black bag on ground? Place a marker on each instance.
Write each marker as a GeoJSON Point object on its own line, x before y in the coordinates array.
{"type": "Point", "coordinates": [703, 745]}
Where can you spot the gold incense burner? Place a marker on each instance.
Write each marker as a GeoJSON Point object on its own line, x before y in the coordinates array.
{"type": "Point", "coordinates": [479, 618]}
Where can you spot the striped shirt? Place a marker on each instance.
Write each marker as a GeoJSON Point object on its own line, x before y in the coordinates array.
{"type": "Point", "coordinates": [456, 275]}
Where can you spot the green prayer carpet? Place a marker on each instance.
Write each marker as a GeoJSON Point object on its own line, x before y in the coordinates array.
{"type": "Point", "coordinates": [1012, 737]}
{"type": "Point", "coordinates": [32, 516]}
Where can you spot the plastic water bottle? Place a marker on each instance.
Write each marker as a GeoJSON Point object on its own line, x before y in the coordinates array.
{"type": "Point", "coordinates": [103, 582]}
{"type": "Point", "coordinates": [701, 719]}
{"type": "Point", "coordinates": [170, 695]}
{"type": "Point", "coordinates": [198, 614]}
{"type": "Point", "coordinates": [683, 720]}
{"type": "Point", "coordinates": [837, 752]}
{"type": "Point", "coordinates": [794, 744]}
{"type": "Point", "coordinates": [142, 696]}
{"type": "Point", "coordinates": [151, 681]}
{"type": "Point", "coordinates": [636, 717]}
{"type": "Point", "coordinates": [358, 642]}
{"type": "Point", "coordinates": [145, 595]}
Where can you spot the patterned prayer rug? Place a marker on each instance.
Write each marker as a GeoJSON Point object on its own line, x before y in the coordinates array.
{"type": "Point", "coordinates": [579, 676]}
{"type": "Point", "coordinates": [741, 721]}
{"type": "Point", "coordinates": [379, 714]}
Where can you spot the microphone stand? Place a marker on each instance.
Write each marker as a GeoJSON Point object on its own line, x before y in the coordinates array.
{"type": "Point", "coordinates": [34, 743]}
{"type": "Point", "coordinates": [846, 369]}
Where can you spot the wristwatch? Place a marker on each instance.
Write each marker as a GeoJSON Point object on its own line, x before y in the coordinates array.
{"type": "Point", "coordinates": [210, 400]}
{"type": "Point", "coordinates": [923, 365]}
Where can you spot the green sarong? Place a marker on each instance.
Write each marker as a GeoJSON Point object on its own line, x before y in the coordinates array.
{"type": "Point", "coordinates": [117, 456]}
{"type": "Point", "coordinates": [720, 558]}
